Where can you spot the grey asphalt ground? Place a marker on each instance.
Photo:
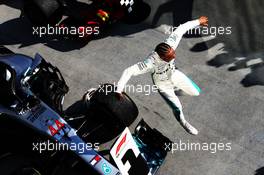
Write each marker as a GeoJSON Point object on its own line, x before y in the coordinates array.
{"type": "Point", "coordinates": [230, 107]}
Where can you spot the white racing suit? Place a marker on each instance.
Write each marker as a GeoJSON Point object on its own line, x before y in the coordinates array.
{"type": "Point", "coordinates": [164, 74]}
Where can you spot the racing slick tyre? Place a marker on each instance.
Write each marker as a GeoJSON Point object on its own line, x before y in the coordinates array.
{"type": "Point", "coordinates": [125, 110]}
{"type": "Point", "coordinates": [18, 164]}
{"type": "Point", "coordinates": [42, 12]}
{"type": "Point", "coordinates": [106, 116]}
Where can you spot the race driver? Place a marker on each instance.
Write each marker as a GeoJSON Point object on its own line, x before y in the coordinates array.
{"type": "Point", "coordinates": [161, 63]}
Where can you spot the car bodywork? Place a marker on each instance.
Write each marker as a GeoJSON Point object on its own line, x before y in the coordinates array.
{"type": "Point", "coordinates": [95, 16]}
{"type": "Point", "coordinates": [40, 116]}
{"type": "Point", "coordinates": [46, 117]}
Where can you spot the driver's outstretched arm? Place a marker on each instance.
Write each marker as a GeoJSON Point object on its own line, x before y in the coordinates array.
{"type": "Point", "coordinates": [174, 39]}
{"type": "Point", "coordinates": [136, 69]}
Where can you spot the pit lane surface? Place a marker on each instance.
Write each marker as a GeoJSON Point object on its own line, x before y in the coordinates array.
{"type": "Point", "coordinates": [230, 108]}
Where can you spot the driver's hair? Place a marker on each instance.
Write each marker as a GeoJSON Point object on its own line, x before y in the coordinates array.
{"type": "Point", "coordinates": [162, 49]}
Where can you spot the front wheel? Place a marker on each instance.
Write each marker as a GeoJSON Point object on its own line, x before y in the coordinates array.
{"type": "Point", "coordinates": [106, 115]}
{"type": "Point", "coordinates": [124, 109]}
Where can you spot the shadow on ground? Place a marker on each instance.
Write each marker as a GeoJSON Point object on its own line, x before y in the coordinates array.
{"type": "Point", "coordinates": [24, 36]}
{"type": "Point", "coordinates": [243, 48]}
{"type": "Point", "coordinates": [181, 12]}
{"type": "Point", "coordinates": [10, 35]}
{"type": "Point", "coordinates": [254, 61]}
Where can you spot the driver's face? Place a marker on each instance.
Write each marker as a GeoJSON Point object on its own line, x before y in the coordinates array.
{"type": "Point", "coordinates": [170, 55]}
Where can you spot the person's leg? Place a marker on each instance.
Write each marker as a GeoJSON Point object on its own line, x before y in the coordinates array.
{"type": "Point", "coordinates": [181, 81]}
{"type": "Point", "coordinates": [174, 102]}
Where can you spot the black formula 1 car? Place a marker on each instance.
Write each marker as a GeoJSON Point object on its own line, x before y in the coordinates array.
{"type": "Point", "coordinates": [33, 126]}
{"type": "Point", "coordinates": [90, 18]}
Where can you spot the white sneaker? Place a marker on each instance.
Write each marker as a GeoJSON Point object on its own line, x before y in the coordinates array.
{"type": "Point", "coordinates": [189, 128]}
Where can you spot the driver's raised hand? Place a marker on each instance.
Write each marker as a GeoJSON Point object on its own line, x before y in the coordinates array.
{"type": "Point", "coordinates": [203, 21]}
{"type": "Point", "coordinates": [119, 96]}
